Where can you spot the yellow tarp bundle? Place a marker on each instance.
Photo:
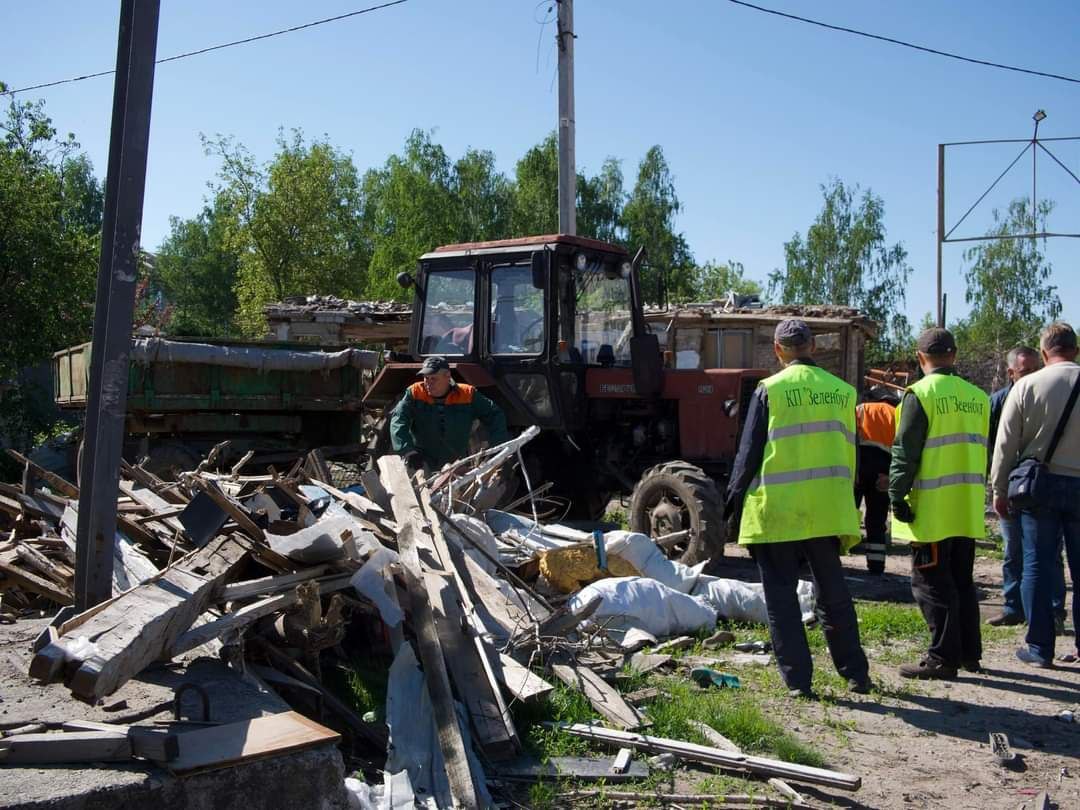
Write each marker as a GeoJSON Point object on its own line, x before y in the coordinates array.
{"type": "Point", "coordinates": [571, 569]}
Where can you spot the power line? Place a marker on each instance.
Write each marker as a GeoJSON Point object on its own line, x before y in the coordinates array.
{"type": "Point", "coordinates": [901, 42]}
{"type": "Point", "coordinates": [215, 47]}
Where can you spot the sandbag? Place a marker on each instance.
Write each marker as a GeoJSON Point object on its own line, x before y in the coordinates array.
{"type": "Point", "coordinates": [740, 601]}
{"type": "Point", "coordinates": [649, 559]}
{"type": "Point", "coordinates": [645, 604]}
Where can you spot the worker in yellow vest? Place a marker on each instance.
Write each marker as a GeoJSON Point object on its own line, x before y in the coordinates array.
{"type": "Point", "coordinates": [792, 483]}
{"type": "Point", "coordinates": [936, 487]}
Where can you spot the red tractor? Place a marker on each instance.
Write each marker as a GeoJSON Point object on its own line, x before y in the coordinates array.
{"type": "Point", "coordinates": [552, 328]}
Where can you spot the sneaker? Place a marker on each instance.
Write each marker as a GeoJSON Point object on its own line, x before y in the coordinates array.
{"type": "Point", "coordinates": [860, 686]}
{"type": "Point", "coordinates": [804, 692]}
{"type": "Point", "coordinates": [1005, 620]}
{"type": "Point", "coordinates": [1028, 657]}
{"type": "Point", "coordinates": [971, 666]}
{"type": "Point", "coordinates": [928, 670]}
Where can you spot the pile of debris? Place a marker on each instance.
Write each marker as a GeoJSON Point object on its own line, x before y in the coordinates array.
{"type": "Point", "coordinates": [329, 320]}
{"type": "Point", "coordinates": [480, 608]}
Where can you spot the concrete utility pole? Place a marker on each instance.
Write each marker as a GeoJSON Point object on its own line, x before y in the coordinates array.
{"type": "Point", "coordinates": [567, 169]}
{"type": "Point", "coordinates": [125, 182]}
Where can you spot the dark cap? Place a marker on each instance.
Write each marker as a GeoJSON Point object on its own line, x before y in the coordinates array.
{"type": "Point", "coordinates": [432, 365]}
{"type": "Point", "coordinates": [792, 332]}
{"type": "Point", "coordinates": [936, 341]}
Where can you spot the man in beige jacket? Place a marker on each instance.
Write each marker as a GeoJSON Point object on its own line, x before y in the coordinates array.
{"type": "Point", "coordinates": [1028, 421]}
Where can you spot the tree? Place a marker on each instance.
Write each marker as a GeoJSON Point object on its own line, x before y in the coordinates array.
{"type": "Point", "coordinates": [536, 190]}
{"type": "Point", "coordinates": [196, 270]}
{"type": "Point", "coordinates": [649, 219]}
{"type": "Point", "coordinates": [714, 281]}
{"type": "Point", "coordinates": [1008, 285]}
{"type": "Point", "coordinates": [409, 207]}
{"type": "Point", "coordinates": [484, 197]}
{"type": "Point", "coordinates": [49, 239]}
{"type": "Point", "coordinates": [297, 224]}
{"type": "Point", "coordinates": [845, 260]}
{"type": "Point", "coordinates": [600, 204]}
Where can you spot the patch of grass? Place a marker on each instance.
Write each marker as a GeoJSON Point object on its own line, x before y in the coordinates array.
{"type": "Point", "coordinates": [542, 795]}
{"type": "Point", "coordinates": [563, 705]}
{"type": "Point", "coordinates": [362, 685]}
{"type": "Point", "coordinates": [618, 518]}
{"type": "Point", "coordinates": [735, 713]}
{"type": "Point", "coordinates": [883, 624]}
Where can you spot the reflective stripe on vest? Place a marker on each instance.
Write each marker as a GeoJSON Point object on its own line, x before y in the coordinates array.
{"type": "Point", "coordinates": [947, 495]}
{"type": "Point", "coordinates": [804, 488]}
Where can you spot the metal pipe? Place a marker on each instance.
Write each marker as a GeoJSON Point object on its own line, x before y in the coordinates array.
{"type": "Point", "coordinates": [940, 228]}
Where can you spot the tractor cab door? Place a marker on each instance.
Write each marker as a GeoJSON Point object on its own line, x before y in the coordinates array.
{"type": "Point", "coordinates": [517, 335]}
{"type": "Point", "coordinates": [446, 301]}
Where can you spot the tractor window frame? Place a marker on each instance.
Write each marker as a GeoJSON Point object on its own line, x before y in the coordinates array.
{"type": "Point", "coordinates": [540, 312]}
{"type": "Point", "coordinates": [445, 347]}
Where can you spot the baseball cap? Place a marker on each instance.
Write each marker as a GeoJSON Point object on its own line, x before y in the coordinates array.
{"type": "Point", "coordinates": [432, 365]}
{"type": "Point", "coordinates": [936, 341]}
{"type": "Point", "coordinates": [792, 332]}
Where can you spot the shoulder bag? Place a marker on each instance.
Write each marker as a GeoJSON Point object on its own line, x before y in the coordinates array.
{"type": "Point", "coordinates": [1028, 480]}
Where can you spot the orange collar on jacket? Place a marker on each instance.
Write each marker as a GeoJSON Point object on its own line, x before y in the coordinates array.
{"type": "Point", "coordinates": [459, 394]}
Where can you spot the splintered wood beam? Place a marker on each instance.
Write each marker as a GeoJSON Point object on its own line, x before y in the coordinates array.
{"type": "Point", "coordinates": [409, 515]}
{"type": "Point", "coordinates": [54, 481]}
{"type": "Point", "coordinates": [603, 697]}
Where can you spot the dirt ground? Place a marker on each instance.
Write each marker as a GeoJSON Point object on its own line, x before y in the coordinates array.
{"type": "Point", "coordinates": [926, 744]}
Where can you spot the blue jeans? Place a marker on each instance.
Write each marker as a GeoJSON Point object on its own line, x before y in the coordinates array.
{"type": "Point", "coordinates": [1058, 514]}
{"type": "Point", "coordinates": [1012, 570]}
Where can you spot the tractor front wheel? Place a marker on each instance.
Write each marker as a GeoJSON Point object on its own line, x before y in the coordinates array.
{"type": "Point", "coordinates": [675, 497]}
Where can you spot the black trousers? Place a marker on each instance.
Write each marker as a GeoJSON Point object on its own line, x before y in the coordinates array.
{"type": "Point", "coordinates": [779, 567]}
{"type": "Point", "coordinates": [944, 589]}
{"type": "Point", "coordinates": [872, 462]}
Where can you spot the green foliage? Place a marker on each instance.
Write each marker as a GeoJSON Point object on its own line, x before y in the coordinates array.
{"type": "Point", "coordinates": [196, 270]}
{"type": "Point", "coordinates": [649, 219]}
{"type": "Point", "coordinates": [1008, 285]}
{"type": "Point", "coordinates": [50, 208]}
{"type": "Point", "coordinates": [536, 190]}
{"type": "Point", "coordinates": [600, 204]}
{"type": "Point", "coordinates": [714, 281]}
{"type": "Point", "coordinates": [297, 226]}
{"type": "Point", "coordinates": [845, 259]}
{"type": "Point", "coordinates": [483, 196]}
{"type": "Point", "coordinates": [409, 208]}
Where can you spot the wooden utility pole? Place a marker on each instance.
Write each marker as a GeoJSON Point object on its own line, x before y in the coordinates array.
{"type": "Point", "coordinates": [567, 169]}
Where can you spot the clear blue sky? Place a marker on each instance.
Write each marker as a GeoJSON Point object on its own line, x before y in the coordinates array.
{"type": "Point", "coordinates": [753, 112]}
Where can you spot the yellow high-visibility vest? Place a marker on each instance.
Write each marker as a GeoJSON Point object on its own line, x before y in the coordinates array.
{"type": "Point", "coordinates": [948, 493]}
{"type": "Point", "coordinates": [805, 487]}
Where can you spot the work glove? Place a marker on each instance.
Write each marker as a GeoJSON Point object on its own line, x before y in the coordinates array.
{"type": "Point", "coordinates": [414, 460]}
{"type": "Point", "coordinates": [902, 511]}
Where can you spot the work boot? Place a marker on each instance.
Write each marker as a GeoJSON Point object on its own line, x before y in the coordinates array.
{"type": "Point", "coordinates": [927, 670]}
{"type": "Point", "coordinates": [860, 686]}
{"type": "Point", "coordinates": [1004, 619]}
{"type": "Point", "coordinates": [804, 692]}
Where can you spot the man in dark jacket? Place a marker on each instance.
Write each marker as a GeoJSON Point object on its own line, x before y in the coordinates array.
{"type": "Point", "coordinates": [431, 425]}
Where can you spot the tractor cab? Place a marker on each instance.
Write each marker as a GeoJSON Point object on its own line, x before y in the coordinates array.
{"type": "Point", "coordinates": [525, 319]}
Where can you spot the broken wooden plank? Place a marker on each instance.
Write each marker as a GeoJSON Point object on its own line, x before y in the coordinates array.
{"type": "Point", "coordinates": [373, 486]}
{"type": "Point", "coordinates": [578, 769]}
{"type": "Point", "coordinates": [268, 585]}
{"type": "Point", "coordinates": [357, 501]}
{"type": "Point", "coordinates": [521, 682]}
{"type": "Point", "coordinates": [713, 756]}
{"type": "Point", "coordinates": [714, 737]}
{"type": "Point", "coordinates": [55, 482]}
{"type": "Point", "coordinates": [621, 763]}
{"type": "Point", "coordinates": [603, 697]}
{"type": "Point", "coordinates": [79, 746]}
{"type": "Point", "coordinates": [160, 509]}
{"type": "Point", "coordinates": [33, 558]}
{"type": "Point", "coordinates": [407, 511]}
{"type": "Point", "coordinates": [639, 696]}
{"type": "Point", "coordinates": [243, 741]}
{"type": "Point", "coordinates": [35, 584]}
{"type": "Point", "coordinates": [316, 467]}
{"type": "Point", "coordinates": [141, 625]}
{"type": "Point", "coordinates": [787, 791]}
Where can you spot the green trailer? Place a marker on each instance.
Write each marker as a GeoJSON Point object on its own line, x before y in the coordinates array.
{"type": "Point", "coordinates": [185, 396]}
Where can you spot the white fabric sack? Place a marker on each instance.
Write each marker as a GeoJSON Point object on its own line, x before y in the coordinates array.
{"type": "Point", "coordinates": [644, 604]}
{"type": "Point", "coordinates": [371, 583]}
{"type": "Point", "coordinates": [642, 552]}
{"type": "Point", "coordinates": [745, 601]}
{"type": "Point", "coordinates": [320, 542]}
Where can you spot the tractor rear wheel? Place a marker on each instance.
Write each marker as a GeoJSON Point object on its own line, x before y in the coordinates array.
{"type": "Point", "coordinates": [678, 496]}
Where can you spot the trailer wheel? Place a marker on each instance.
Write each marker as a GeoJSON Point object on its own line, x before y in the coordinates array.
{"type": "Point", "coordinates": [677, 496]}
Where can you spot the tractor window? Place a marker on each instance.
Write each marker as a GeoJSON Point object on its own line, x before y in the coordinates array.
{"type": "Point", "coordinates": [603, 325]}
{"type": "Point", "coordinates": [517, 311]}
{"type": "Point", "coordinates": [449, 299]}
